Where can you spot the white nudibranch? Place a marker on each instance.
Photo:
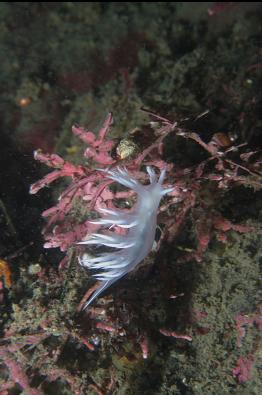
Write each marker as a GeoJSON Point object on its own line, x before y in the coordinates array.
{"type": "Point", "coordinates": [136, 244]}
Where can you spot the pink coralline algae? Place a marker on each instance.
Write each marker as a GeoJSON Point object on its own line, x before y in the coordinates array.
{"type": "Point", "coordinates": [243, 370]}
{"type": "Point", "coordinates": [89, 185]}
{"type": "Point", "coordinates": [244, 366]}
{"type": "Point", "coordinates": [195, 192]}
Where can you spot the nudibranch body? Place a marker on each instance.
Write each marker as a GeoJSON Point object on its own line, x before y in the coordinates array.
{"type": "Point", "coordinates": [140, 221]}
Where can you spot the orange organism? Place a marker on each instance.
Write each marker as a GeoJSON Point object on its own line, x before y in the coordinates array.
{"type": "Point", "coordinates": [6, 273]}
